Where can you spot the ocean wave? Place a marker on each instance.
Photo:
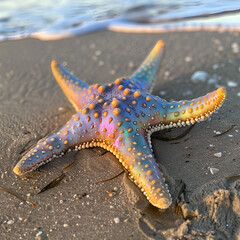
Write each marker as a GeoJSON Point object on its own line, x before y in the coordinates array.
{"type": "Point", "coordinates": [227, 20]}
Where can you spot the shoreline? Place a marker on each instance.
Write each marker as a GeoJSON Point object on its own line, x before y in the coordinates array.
{"type": "Point", "coordinates": [223, 21]}
{"type": "Point", "coordinates": [32, 105]}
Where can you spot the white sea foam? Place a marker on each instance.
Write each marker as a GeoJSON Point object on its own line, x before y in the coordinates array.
{"type": "Point", "coordinates": [48, 20]}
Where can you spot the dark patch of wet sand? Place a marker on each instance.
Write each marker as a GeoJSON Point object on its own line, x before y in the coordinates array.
{"type": "Point", "coordinates": [33, 105]}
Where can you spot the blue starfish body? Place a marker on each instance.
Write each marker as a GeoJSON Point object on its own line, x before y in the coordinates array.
{"type": "Point", "coordinates": [121, 117]}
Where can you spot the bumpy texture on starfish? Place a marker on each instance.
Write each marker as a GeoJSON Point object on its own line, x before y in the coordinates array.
{"type": "Point", "coordinates": [121, 117]}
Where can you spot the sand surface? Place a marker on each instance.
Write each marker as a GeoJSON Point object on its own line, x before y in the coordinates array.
{"type": "Point", "coordinates": [32, 105]}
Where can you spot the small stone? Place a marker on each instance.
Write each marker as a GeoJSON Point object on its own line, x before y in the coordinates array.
{"type": "Point", "coordinates": [98, 53]}
{"type": "Point", "coordinates": [92, 46]}
{"type": "Point", "coordinates": [130, 64]}
{"type": "Point", "coordinates": [24, 130]}
{"type": "Point", "coordinates": [94, 58]}
{"type": "Point", "coordinates": [217, 132]}
{"type": "Point", "coordinates": [213, 170]}
{"type": "Point", "coordinates": [167, 73]}
{"type": "Point", "coordinates": [162, 93]}
{"type": "Point", "coordinates": [211, 146]}
{"type": "Point", "coordinates": [199, 76]}
{"type": "Point", "coordinates": [212, 81]}
{"type": "Point", "coordinates": [111, 193]}
{"type": "Point", "coordinates": [60, 109]}
{"type": "Point", "coordinates": [232, 84]}
{"type": "Point", "coordinates": [65, 225]}
{"type": "Point", "coordinates": [117, 220]}
{"type": "Point", "coordinates": [187, 93]}
{"type": "Point", "coordinates": [230, 135]}
{"type": "Point", "coordinates": [39, 233]}
{"type": "Point", "coordinates": [235, 47]}
{"type": "Point", "coordinates": [188, 59]}
{"type": "Point", "coordinates": [10, 222]}
{"type": "Point", "coordinates": [218, 155]}
{"type": "Point", "coordinates": [112, 72]}
{"type": "Point", "coordinates": [101, 63]}
{"type": "Point", "coordinates": [215, 66]}
{"type": "Point", "coordinates": [216, 41]}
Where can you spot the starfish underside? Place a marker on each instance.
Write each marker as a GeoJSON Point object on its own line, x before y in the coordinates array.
{"type": "Point", "coordinates": [121, 117]}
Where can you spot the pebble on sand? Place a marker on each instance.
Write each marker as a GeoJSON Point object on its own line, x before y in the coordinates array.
{"type": "Point", "coordinates": [162, 93]}
{"type": "Point", "coordinates": [215, 66]}
{"type": "Point", "coordinates": [199, 76]}
{"type": "Point", "coordinates": [188, 59]}
{"type": "Point", "coordinates": [117, 220]}
{"type": "Point", "coordinates": [218, 155]}
{"type": "Point", "coordinates": [235, 47]}
{"type": "Point", "coordinates": [10, 222]}
{"type": "Point", "coordinates": [232, 84]}
{"type": "Point", "coordinates": [213, 170]}
{"type": "Point", "coordinates": [39, 233]}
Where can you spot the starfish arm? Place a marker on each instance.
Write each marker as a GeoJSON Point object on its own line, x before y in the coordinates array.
{"type": "Point", "coordinates": [144, 75]}
{"type": "Point", "coordinates": [199, 109]}
{"type": "Point", "coordinates": [137, 157]}
{"type": "Point", "coordinates": [71, 86]}
{"type": "Point", "coordinates": [76, 134]}
{"type": "Point", "coordinates": [186, 112]}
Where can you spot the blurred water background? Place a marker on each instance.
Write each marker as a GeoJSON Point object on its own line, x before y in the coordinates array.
{"type": "Point", "coordinates": [57, 19]}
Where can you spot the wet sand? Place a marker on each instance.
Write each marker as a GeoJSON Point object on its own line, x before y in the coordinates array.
{"type": "Point", "coordinates": [32, 105]}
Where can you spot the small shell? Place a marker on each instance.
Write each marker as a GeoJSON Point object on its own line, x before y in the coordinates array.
{"type": "Point", "coordinates": [218, 155]}
{"type": "Point", "coordinates": [213, 170]}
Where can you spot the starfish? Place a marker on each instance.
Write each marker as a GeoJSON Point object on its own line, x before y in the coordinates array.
{"type": "Point", "coordinates": [120, 117]}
